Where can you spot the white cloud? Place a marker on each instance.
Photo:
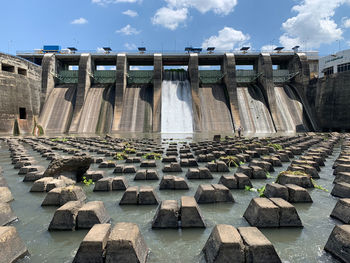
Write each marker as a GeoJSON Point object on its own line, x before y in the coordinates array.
{"type": "Point", "coordinates": [128, 30]}
{"type": "Point", "coordinates": [130, 13]}
{"type": "Point", "coordinates": [313, 25]}
{"type": "Point", "coordinates": [100, 50]}
{"type": "Point", "coordinates": [170, 18]}
{"type": "Point", "coordinates": [221, 7]}
{"type": "Point", "coordinates": [79, 21]}
{"type": "Point", "coordinates": [134, 68]}
{"type": "Point", "coordinates": [176, 11]}
{"type": "Point", "coordinates": [130, 46]}
{"type": "Point", "coordinates": [346, 22]}
{"type": "Point", "coordinates": [227, 39]}
{"type": "Point", "coordinates": [106, 2]}
{"type": "Point", "coordinates": [268, 47]}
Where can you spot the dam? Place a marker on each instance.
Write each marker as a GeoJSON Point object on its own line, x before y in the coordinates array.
{"type": "Point", "coordinates": [94, 93]}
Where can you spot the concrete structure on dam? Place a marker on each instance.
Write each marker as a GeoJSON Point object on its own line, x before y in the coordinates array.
{"type": "Point", "coordinates": [67, 93]}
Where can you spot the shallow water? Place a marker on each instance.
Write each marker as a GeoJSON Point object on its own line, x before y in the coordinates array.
{"type": "Point", "coordinates": [292, 244]}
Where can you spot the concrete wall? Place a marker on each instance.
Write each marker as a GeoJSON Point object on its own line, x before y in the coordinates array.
{"type": "Point", "coordinates": [18, 91]}
{"type": "Point", "coordinates": [332, 102]}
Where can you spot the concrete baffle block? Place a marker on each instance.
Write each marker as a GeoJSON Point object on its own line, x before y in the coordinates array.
{"type": "Point", "coordinates": [71, 193]}
{"type": "Point", "coordinates": [54, 184]}
{"type": "Point", "coordinates": [262, 212]}
{"type": "Point", "coordinates": [147, 196]}
{"type": "Point", "coordinates": [222, 193]}
{"type": "Point", "coordinates": [6, 214]}
{"type": "Point", "coordinates": [52, 197]}
{"type": "Point", "coordinates": [190, 213]}
{"type": "Point", "coordinates": [40, 185]}
{"type": "Point", "coordinates": [339, 242]}
{"type": "Point", "coordinates": [300, 180]}
{"type": "Point", "coordinates": [341, 190]}
{"type": "Point", "coordinates": [341, 210]}
{"type": "Point", "coordinates": [242, 180]}
{"type": "Point", "coordinates": [92, 248]}
{"type": "Point", "coordinates": [126, 244]}
{"type": "Point", "coordinates": [288, 215]}
{"type": "Point", "coordinates": [65, 216]}
{"type": "Point", "coordinates": [92, 213]}
{"type": "Point", "coordinates": [130, 196]}
{"type": "Point", "coordinates": [298, 194]}
{"type": "Point", "coordinates": [224, 245]}
{"type": "Point", "coordinates": [12, 247]}
{"type": "Point", "coordinates": [229, 181]}
{"type": "Point", "coordinates": [205, 194]}
{"type": "Point", "coordinates": [119, 183]}
{"type": "Point", "coordinates": [258, 247]}
{"type": "Point", "coordinates": [276, 190]}
{"type": "Point", "coordinates": [5, 194]}
{"type": "Point", "coordinates": [104, 184]}
{"type": "Point", "coordinates": [167, 215]}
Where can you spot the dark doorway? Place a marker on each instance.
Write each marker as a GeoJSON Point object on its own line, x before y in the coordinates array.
{"type": "Point", "coordinates": [22, 113]}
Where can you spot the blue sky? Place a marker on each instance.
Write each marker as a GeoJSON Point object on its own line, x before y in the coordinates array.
{"type": "Point", "coordinates": [173, 24]}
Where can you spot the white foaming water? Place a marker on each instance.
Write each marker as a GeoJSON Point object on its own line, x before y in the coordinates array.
{"type": "Point", "coordinates": [176, 115]}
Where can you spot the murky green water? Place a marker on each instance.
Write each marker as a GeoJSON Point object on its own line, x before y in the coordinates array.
{"type": "Point", "coordinates": [292, 244]}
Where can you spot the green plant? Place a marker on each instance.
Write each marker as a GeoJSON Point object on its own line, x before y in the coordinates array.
{"type": "Point", "coordinates": [152, 155]}
{"type": "Point", "coordinates": [230, 160]}
{"type": "Point", "coordinates": [129, 150]}
{"type": "Point", "coordinates": [87, 182]}
{"type": "Point", "coordinates": [241, 163]}
{"type": "Point", "coordinates": [276, 146]}
{"type": "Point", "coordinates": [318, 186]}
{"type": "Point", "coordinates": [268, 175]}
{"type": "Point", "coordinates": [261, 191]}
{"type": "Point", "coordinates": [121, 156]}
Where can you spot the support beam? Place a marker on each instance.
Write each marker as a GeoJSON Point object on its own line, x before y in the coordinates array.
{"type": "Point", "coordinates": [264, 68]}
{"type": "Point", "coordinates": [49, 70]}
{"type": "Point", "coordinates": [84, 84]}
{"type": "Point", "coordinates": [157, 91]}
{"type": "Point", "coordinates": [228, 69]}
{"type": "Point", "coordinates": [194, 80]}
{"type": "Point", "coordinates": [300, 64]}
{"type": "Point", "coordinates": [120, 86]}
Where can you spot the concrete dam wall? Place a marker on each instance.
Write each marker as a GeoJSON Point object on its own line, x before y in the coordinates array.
{"type": "Point", "coordinates": [70, 94]}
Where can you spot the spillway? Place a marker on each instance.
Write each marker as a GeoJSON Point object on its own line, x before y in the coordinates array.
{"type": "Point", "coordinates": [56, 114]}
{"type": "Point", "coordinates": [215, 112]}
{"type": "Point", "coordinates": [290, 109]}
{"type": "Point", "coordinates": [105, 118]}
{"type": "Point", "coordinates": [254, 114]}
{"type": "Point", "coordinates": [137, 109]}
{"type": "Point", "coordinates": [91, 109]}
{"type": "Point", "coordinates": [176, 113]}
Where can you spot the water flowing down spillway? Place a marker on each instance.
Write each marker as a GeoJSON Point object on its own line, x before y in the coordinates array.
{"type": "Point", "coordinates": [176, 114]}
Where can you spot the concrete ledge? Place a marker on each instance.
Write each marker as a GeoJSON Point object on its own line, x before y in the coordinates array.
{"type": "Point", "coordinates": [92, 248]}
{"type": "Point", "coordinates": [6, 214]}
{"type": "Point", "coordinates": [12, 247]}
{"type": "Point", "coordinates": [339, 242]}
{"type": "Point", "coordinates": [126, 244]}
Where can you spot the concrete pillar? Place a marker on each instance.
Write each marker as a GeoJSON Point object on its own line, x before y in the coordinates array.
{"type": "Point", "coordinates": [84, 84]}
{"type": "Point", "coordinates": [228, 69]}
{"type": "Point", "coordinates": [49, 70]}
{"type": "Point", "coordinates": [300, 64]}
{"type": "Point", "coordinates": [194, 80]}
{"type": "Point", "coordinates": [264, 66]}
{"type": "Point", "coordinates": [157, 91]}
{"type": "Point", "coordinates": [120, 86]}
